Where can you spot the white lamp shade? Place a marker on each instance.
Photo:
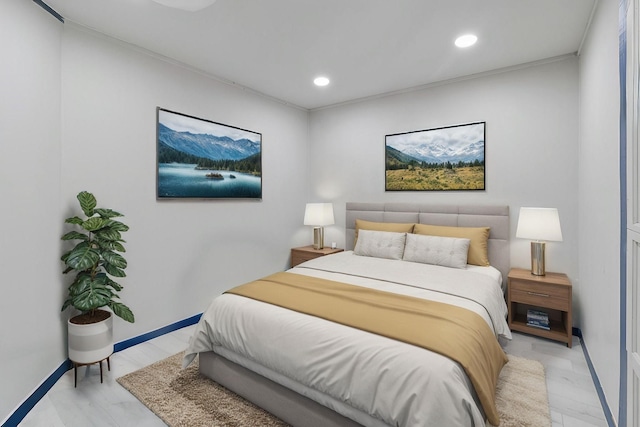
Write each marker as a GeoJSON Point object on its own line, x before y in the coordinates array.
{"type": "Point", "coordinates": [539, 224]}
{"type": "Point", "coordinates": [319, 214]}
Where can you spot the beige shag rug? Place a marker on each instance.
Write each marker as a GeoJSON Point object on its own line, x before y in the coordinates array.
{"type": "Point", "coordinates": [187, 398]}
{"type": "Point", "coordinates": [521, 394]}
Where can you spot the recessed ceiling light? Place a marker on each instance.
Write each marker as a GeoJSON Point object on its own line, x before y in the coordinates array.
{"type": "Point", "coordinates": [188, 5]}
{"type": "Point", "coordinates": [321, 81]}
{"type": "Point", "coordinates": [466, 40]}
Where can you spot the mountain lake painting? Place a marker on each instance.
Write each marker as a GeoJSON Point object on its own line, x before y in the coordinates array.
{"type": "Point", "coordinates": [202, 159]}
{"type": "Point", "coordinates": [446, 158]}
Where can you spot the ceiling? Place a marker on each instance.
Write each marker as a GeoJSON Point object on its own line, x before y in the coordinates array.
{"type": "Point", "coordinates": [366, 47]}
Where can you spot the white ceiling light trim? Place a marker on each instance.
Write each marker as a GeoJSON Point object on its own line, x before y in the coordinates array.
{"type": "Point", "coordinates": [188, 5]}
{"type": "Point", "coordinates": [321, 81]}
{"type": "Point", "coordinates": [466, 40]}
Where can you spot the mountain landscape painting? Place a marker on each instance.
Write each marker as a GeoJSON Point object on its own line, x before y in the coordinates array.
{"type": "Point", "coordinates": [202, 159]}
{"type": "Point", "coordinates": [446, 158]}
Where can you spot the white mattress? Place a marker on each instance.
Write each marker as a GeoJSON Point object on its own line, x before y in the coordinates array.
{"type": "Point", "coordinates": [374, 380]}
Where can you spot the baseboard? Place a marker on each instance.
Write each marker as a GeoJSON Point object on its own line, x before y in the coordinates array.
{"type": "Point", "coordinates": [122, 345]}
{"type": "Point", "coordinates": [596, 381]}
{"type": "Point", "coordinates": [27, 405]}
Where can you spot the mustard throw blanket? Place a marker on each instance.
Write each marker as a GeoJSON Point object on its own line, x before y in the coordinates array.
{"type": "Point", "coordinates": [451, 331]}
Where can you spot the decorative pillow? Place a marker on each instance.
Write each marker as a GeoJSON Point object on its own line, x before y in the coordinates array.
{"type": "Point", "coordinates": [478, 236]}
{"type": "Point", "coordinates": [395, 227]}
{"type": "Point", "coordinates": [445, 251]}
{"type": "Point", "coordinates": [380, 244]}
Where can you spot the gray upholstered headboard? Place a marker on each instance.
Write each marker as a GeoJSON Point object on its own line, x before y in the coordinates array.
{"type": "Point", "coordinates": [496, 217]}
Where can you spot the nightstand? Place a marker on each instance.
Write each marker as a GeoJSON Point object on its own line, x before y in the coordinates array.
{"type": "Point", "coordinates": [305, 253]}
{"type": "Point", "coordinates": [550, 293]}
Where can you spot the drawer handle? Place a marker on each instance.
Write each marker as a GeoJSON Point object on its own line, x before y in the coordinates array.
{"type": "Point", "coordinates": [538, 294]}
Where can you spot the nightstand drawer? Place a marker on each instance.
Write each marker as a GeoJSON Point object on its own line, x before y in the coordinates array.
{"type": "Point", "coordinates": [306, 253]}
{"type": "Point", "coordinates": [300, 257]}
{"type": "Point", "coordinates": [540, 294]}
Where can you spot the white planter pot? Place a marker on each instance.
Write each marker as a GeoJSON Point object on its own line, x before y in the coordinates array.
{"type": "Point", "coordinates": [90, 343]}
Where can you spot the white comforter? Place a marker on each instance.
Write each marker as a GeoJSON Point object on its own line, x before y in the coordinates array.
{"type": "Point", "coordinates": [374, 380]}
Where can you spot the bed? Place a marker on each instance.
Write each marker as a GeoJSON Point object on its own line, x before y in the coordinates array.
{"type": "Point", "coordinates": [314, 371]}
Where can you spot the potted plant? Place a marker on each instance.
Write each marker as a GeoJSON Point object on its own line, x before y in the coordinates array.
{"type": "Point", "coordinates": [94, 259]}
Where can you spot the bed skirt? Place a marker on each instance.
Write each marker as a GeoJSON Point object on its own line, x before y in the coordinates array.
{"type": "Point", "coordinates": [290, 407]}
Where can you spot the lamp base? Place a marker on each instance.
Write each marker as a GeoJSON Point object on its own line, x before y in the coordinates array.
{"type": "Point", "coordinates": [318, 238]}
{"type": "Point", "coordinates": [537, 258]}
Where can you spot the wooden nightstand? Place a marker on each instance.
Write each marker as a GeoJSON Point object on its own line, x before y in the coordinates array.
{"type": "Point", "coordinates": [550, 293]}
{"type": "Point", "coordinates": [305, 253]}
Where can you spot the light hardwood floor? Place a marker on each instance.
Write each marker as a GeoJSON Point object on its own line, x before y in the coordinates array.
{"type": "Point", "coordinates": [572, 396]}
{"type": "Point", "coordinates": [573, 400]}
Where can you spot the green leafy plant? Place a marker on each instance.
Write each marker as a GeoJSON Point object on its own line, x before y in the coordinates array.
{"type": "Point", "coordinates": [95, 258]}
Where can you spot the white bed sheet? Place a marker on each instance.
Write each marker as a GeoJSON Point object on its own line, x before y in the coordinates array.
{"type": "Point", "coordinates": [395, 383]}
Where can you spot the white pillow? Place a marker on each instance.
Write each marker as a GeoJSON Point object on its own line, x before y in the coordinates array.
{"type": "Point", "coordinates": [436, 250]}
{"type": "Point", "coordinates": [380, 244]}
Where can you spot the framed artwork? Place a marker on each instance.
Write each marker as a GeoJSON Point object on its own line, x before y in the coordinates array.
{"type": "Point", "coordinates": [201, 159]}
{"type": "Point", "coordinates": [440, 159]}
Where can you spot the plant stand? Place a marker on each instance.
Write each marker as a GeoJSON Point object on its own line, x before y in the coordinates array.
{"type": "Point", "coordinates": [77, 365]}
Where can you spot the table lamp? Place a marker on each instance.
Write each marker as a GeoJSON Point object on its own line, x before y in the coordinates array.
{"type": "Point", "coordinates": [540, 225]}
{"type": "Point", "coordinates": [318, 215]}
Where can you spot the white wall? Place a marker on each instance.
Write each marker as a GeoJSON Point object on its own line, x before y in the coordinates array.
{"type": "Point", "coordinates": [31, 332]}
{"type": "Point", "coordinates": [599, 197]}
{"type": "Point", "coordinates": [80, 114]}
{"type": "Point", "coordinates": [181, 253]}
{"type": "Point", "coordinates": [531, 147]}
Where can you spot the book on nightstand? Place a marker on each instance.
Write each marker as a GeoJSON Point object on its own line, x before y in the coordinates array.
{"type": "Point", "coordinates": [538, 319]}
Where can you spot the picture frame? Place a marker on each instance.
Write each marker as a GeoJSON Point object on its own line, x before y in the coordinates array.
{"type": "Point", "coordinates": [202, 159]}
{"type": "Point", "coordinates": [449, 158]}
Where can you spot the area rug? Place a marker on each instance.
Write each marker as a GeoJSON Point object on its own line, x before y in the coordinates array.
{"type": "Point", "coordinates": [187, 398]}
